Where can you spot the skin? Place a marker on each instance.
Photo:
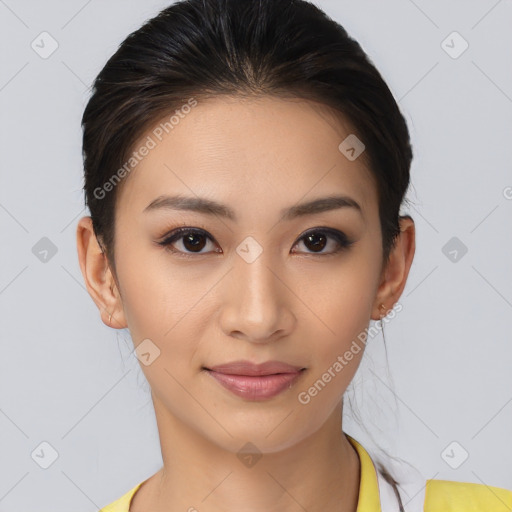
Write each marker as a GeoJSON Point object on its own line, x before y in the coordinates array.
{"type": "Point", "coordinates": [291, 304]}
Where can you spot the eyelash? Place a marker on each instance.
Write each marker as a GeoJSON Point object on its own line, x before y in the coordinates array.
{"type": "Point", "coordinates": [342, 240]}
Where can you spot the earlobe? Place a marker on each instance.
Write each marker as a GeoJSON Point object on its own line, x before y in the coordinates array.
{"type": "Point", "coordinates": [97, 275]}
{"type": "Point", "coordinates": [394, 276]}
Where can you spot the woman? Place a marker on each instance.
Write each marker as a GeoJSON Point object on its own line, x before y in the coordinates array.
{"type": "Point", "coordinates": [245, 165]}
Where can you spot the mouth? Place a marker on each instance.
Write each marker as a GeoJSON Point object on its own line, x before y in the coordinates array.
{"type": "Point", "coordinates": [256, 382]}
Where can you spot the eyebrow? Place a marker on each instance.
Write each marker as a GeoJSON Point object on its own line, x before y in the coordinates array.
{"type": "Point", "coordinates": [210, 207]}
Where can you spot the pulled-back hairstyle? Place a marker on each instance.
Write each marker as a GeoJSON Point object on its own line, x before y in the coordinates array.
{"type": "Point", "coordinates": [206, 48]}
{"type": "Point", "coordinates": [199, 49]}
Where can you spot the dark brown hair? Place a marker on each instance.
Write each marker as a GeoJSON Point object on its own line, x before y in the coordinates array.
{"type": "Point", "coordinates": [206, 48]}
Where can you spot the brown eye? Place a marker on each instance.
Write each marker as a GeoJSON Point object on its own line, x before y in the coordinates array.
{"type": "Point", "coordinates": [193, 241]}
{"type": "Point", "coordinates": [315, 241]}
{"type": "Point", "coordinates": [318, 239]}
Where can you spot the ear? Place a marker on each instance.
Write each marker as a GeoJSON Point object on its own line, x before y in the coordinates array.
{"type": "Point", "coordinates": [394, 275]}
{"type": "Point", "coordinates": [98, 276]}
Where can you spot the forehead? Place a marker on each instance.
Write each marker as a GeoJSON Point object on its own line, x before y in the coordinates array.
{"type": "Point", "coordinates": [245, 150]}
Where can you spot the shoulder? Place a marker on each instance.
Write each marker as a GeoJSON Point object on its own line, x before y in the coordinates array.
{"type": "Point", "coordinates": [122, 504]}
{"type": "Point", "coordinates": [448, 496]}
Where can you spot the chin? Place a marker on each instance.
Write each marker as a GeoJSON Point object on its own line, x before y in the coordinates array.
{"type": "Point", "coordinates": [268, 433]}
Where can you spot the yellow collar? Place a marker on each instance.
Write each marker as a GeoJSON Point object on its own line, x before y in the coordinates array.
{"type": "Point", "coordinates": [369, 498]}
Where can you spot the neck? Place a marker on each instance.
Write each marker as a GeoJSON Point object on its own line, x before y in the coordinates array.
{"type": "Point", "coordinates": [322, 472]}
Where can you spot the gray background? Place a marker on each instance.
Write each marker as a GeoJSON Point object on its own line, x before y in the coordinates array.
{"type": "Point", "coordinates": [68, 380]}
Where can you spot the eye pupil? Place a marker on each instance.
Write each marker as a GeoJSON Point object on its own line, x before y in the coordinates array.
{"type": "Point", "coordinates": [314, 239]}
{"type": "Point", "coordinates": [189, 239]}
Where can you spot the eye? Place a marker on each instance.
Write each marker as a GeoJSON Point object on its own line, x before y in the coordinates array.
{"type": "Point", "coordinates": [191, 240]}
{"type": "Point", "coordinates": [318, 238]}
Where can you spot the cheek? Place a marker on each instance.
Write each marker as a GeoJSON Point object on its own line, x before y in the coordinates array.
{"type": "Point", "coordinates": [337, 354]}
{"type": "Point", "coordinates": [154, 299]}
{"type": "Point", "coordinates": [343, 293]}
{"type": "Point", "coordinates": [161, 305]}
{"type": "Point", "coordinates": [342, 301]}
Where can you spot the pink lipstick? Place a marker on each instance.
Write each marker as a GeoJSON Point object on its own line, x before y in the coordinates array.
{"type": "Point", "coordinates": [256, 381]}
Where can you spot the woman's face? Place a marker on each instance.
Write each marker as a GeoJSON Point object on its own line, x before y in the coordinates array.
{"type": "Point", "coordinates": [249, 285]}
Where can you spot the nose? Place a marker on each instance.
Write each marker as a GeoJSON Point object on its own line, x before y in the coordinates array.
{"type": "Point", "coordinates": [256, 302]}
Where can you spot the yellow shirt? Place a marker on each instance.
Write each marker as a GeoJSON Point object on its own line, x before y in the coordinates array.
{"type": "Point", "coordinates": [437, 495]}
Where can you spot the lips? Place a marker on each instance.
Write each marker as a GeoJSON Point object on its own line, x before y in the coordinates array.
{"type": "Point", "coordinates": [256, 381]}
{"type": "Point", "coordinates": [248, 368]}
